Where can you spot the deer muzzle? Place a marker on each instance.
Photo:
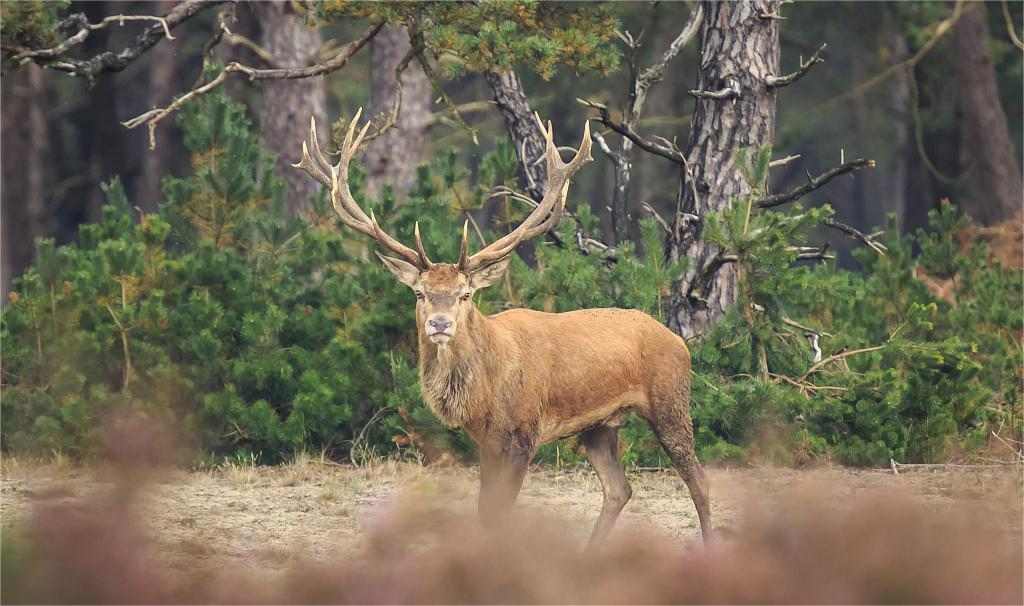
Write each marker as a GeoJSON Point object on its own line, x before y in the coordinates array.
{"type": "Point", "coordinates": [440, 328]}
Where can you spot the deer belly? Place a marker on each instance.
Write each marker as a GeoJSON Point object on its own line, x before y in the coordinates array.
{"type": "Point", "coordinates": [563, 419]}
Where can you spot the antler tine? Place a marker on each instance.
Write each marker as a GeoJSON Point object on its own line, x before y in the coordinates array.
{"type": "Point", "coordinates": [319, 155]}
{"type": "Point", "coordinates": [347, 143]}
{"type": "Point", "coordinates": [545, 215]}
{"type": "Point", "coordinates": [424, 259]}
{"type": "Point", "coordinates": [464, 247]}
{"type": "Point", "coordinates": [349, 211]}
{"type": "Point", "coordinates": [310, 167]}
{"type": "Point", "coordinates": [316, 167]}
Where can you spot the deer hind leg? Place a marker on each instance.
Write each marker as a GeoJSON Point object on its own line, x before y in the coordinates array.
{"type": "Point", "coordinates": [602, 449]}
{"type": "Point", "coordinates": [670, 420]}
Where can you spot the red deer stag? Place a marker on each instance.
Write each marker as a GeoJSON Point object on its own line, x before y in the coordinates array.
{"type": "Point", "coordinates": [522, 378]}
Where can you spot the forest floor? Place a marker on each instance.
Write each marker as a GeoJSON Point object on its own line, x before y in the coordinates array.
{"type": "Point", "coordinates": [264, 517]}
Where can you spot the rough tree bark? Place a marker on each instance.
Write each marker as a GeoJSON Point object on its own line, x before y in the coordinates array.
{"type": "Point", "coordinates": [393, 157]}
{"type": "Point", "coordinates": [522, 128]}
{"type": "Point", "coordinates": [986, 149]}
{"type": "Point", "coordinates": [739, 51]}
{"type": "Point", "coordinates": [288, 104]}
{"type": "Point", "coordinates": [25, 143]}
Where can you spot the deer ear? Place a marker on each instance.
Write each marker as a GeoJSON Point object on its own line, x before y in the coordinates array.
{"type": "Point", "coordinates": [485, 276]}
{"type": "Point", "coordinates": [406, 272]}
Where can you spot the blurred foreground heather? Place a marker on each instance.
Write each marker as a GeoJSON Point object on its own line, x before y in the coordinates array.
{"type": "Point", "coordinates": [422, 544]}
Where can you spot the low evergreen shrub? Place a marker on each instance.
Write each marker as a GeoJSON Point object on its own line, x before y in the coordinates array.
{"type": "Point", "coordinates": [264, 335]}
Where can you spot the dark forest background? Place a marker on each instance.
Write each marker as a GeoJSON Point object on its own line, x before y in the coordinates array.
{"type": "Point", "coordinates": [823, 198]}
{"type": "Point", "coordinates": [887, 91]}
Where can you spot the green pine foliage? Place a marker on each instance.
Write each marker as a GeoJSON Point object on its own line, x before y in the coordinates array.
{"type": "Point", "coordinates": [30, 23]}
{"type": "Point", "coordinates": [259, 333]}
{"type": "Point", "coordinates": [923, 380]}
{"type": "Point", "coordinates": [500, 34]}
{"type": "Point", "coordinates": [265, 335]}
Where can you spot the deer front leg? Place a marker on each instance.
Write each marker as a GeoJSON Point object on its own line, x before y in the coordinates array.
{"type": "Point", "coordinates": [503, 466]}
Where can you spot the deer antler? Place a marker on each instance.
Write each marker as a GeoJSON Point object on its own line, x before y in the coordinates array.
{"type": "Point", "coordinates": [335, 178]}
{"type": "Point", "coordinates": [545, 215]}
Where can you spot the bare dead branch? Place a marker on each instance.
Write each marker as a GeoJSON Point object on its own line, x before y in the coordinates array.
{"type": "Point", "coordinates": [657, 217]}
{"type": "Point", "coordinates": [339, 60]}
{"type": "Point", "coordinates": [318, 69]}
{"type": "Point", "coordinates": [923, 466]}
{"type": "Point", "coordinates": [839, 356]}
{"type": "Point", "coordinates": [783, 161]}
{"type": "Point", "coordinates": [806, 329]}
{"type": "Point", "coordinates": [702, 283]}
{"type": "Point", "coordinates": [805, 253]}
{"type": "Point", "coordinates": [111, 61]}
{"type": "Point", "coordinates": [780, 81]}
{"type": "Point", "coordinates": [601, 143]}
{"type": "Point", "coordinates": [641, 81]}
{"type": "Point", "coordinates": [239, 40]}
{"type": "Point", "coordinates": [83, 33]}
{"type": "Point", "coordinates": [656, 72]}
{"type": "Point", "coordinates": [730, 92]}
{"type": "Point", "coordinates": [649, 146]}
{"type": "Point", "coordinates": [813, 183]}
{"type": "Point", "coordinates": [867, 239]}
{"type": "Point", "coordinates": [154, 116]}
{"type": "Point", "coordinates": [805, 387]}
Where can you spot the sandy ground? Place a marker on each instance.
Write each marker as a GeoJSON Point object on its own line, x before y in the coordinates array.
{"type": "Point", "coordinates": [265, 516]}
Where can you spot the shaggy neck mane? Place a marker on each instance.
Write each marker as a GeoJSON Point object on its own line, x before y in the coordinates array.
{"type": "Point", "coordinates": [450, 374]}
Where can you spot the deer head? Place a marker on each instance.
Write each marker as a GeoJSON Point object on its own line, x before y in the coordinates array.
{"type": "Point", "coordinates": [444, 291]}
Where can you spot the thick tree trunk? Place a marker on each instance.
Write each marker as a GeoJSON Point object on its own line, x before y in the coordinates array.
{"type": "Point", "coordinates": [288, 104]}
{"type": "Point", "coordinates": [986, 151]}
{"type": "Point", "coordinates": [26, 136]}
{"type": "Point", "coordinates": [163, 82]}
{"type": "Point", "coordinates": [103, 136]}
{"type": "Point", "coordinates": [739, 50]}
{"type": "Point", "coordinates": [392, 158]}
{"type": "Point", "coordinates": [870, 201]}
{"type": "Point", "coordinates": [894, 193]}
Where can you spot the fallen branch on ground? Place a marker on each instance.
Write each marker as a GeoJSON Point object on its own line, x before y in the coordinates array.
{"type": "Point", "coordinates": [896, 467]}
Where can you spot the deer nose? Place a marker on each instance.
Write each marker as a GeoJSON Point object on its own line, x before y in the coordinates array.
{"type": "Point", "coordinates": [439, 324]}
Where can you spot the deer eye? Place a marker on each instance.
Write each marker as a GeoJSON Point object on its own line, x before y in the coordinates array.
{"type": "Point", "coordinates": [419, 295]}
